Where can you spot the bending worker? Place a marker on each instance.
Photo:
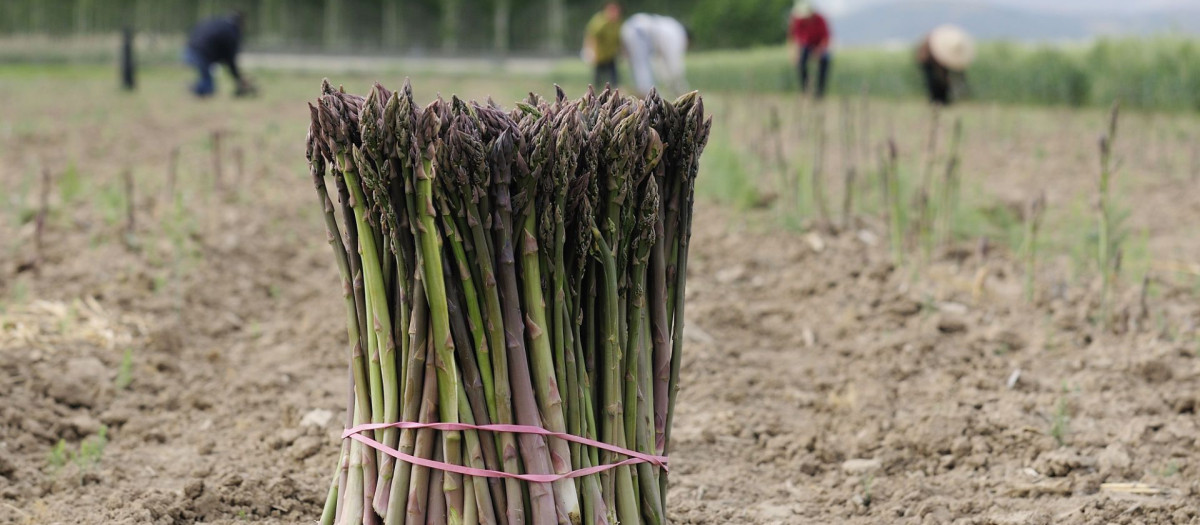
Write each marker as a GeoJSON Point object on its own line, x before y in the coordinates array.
{"type": "Point", "coordinates": [216, 41]}
{"type": "Point", "coordinates": [943, 56]}
{"type": "Point", "coordinates": [656, 46]}
{"type": "Point", "coordinates": [810, 33]}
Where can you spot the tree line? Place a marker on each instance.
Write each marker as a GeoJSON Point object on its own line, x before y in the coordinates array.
{"type": "Point", "coordinates": [404, 26]}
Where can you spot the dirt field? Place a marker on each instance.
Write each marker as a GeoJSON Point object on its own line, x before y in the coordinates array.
{"type": "Point", "coordinates": [192, 369]}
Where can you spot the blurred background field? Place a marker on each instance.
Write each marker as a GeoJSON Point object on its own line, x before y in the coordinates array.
{"type": "Point", "coordinates": [1151, 74]}
{"type": "Point", "coordinates": [1031, 55]}
{"type": "Point", "coordinates": [1154, 74]}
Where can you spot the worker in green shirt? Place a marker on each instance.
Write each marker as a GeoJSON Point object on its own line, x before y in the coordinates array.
{"type": "Point", "coordinates": [602, 43]}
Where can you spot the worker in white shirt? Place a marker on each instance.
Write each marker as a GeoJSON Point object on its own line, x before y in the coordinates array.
{"type": "Point", "coordinates": [655, 45]}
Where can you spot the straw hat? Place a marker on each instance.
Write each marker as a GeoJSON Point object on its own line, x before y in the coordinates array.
{"type": "Point", "coordinates": [952, 47]}
{"type": "Point", "coordinates": [802, 9]}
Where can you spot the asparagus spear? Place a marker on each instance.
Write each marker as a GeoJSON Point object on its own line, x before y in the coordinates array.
{"type": "Point", "coordinates": [436, 203]}
{"type": "Point", "coordinates": [381, 320]}
{"type": "Point", "coordinates": [435, 288]}
{"type": "Point", "coordinates": [620, 485]}
{"type": "Point", "coordinates": [333, 137]}
{"type": "Point", "coordinates": [317, 170]}
{"type": "Point", "coordinates": [329, 511]}
{"type": "Point", "coordinates": [472, 409]}
{"type": "Point", "coordinates": [478, 212]}
{"type": "Point", "coordinates": [696, 131]}
{"type": "Point", "coordinates": [504, 157]}
{"type": "Point", "coordinates": [419, 493]}
{"type": "Point", "coordinates": [640, 376]}
{"type": "Point", "coordinates": [544, 375]}
{"type": "Point", "coordinates": [663, 119]}
{"type": "Point", "coordinates": [437, 514]}
{"type": "Point", "coordinates": [413, 388]}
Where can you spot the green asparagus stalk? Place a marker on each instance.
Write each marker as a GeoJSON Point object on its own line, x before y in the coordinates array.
{"type": "Point", "coordinates": [951, 184]}
{"type": "Point", "coordinates": [329, 512]}
{"type": "Point", "coordinates": [470, 509]}
{"type": "Point", "coordinates": [542, 497]}
{"type": "Point", "coordinates": [363, 461]}
{"type": "Point", "coordinates": [317, 170]}
{"type": "Point", "coordinates": [1033, 221]}
{"type": "Point", "coordinates": [435, 288]}
{"type": "Point", "coordinates": [664, 119]}
{"type": "Point", "coordinates": [1107, 251]}
{"type": "Point", "coordinates": [418, 336]}
{"type": "Point", "coordinates": [640, 374]}
{"type": "Point", "coordinates": [544, 373]}
{"type": "Point", "coordinates": [381, 168]}
{"type": "Point", "coordinates": [891, 175]}
{"type": "Point", "coordinates": [383, 355]}
{"type": "Point", "coordinates": [696, 130]}
{"type": "Point", "coordinates": [526, 254]}
{"type": "Point", "coordinates": [466, 152]}
{"type": "Point", "coordinates": [419, 493]}
{"type": "Point", "coordinates": [437, 509]}
{"type": "Point", "coordinates": [494, 323]}
{"type": "Point", "coordinates": [381, 320]}
{"type": "Point", "coordinates": [620, 489]}
{"type": "Point", "coordinates": [344, 462]}
{"type": "Point", "coordinates": [481, 451]}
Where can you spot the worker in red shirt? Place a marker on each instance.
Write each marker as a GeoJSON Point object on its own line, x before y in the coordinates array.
{"type": "Point", "coordinates": [810, 33]}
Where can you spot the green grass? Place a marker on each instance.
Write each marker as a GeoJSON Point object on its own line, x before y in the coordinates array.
{"type": "Point", "coordinates": [125, 372]}
{"type": "Point", "coordinates": [92, 448]}
{"type": "Point", "coordinates": [19, 293]}
{"type": "Point", "coordinates": [110, 199]}
{"type": "Point", "coordinates": [70, 184]}
{"type": "Point", "coordinates": [90, 49]}
{"type": "Point", "coordinates": [728, 174]}
{"type": "Point", "coordinates": [89, 452]}
{"type": "Point", "coordinates": [1170, 469]}
{"type": "Point", "coordinates": [1148, 73]}
{"type": "Point", "coordinates": [1060, 422]}
{"type": "Point", "coordinates": [59, 455]}
{"type": "Point", "coordinates": [865, 483]}
{"type": "Point", "coordinates": [733, 173]}
{"type": "Point", "coordinates": [999, 223]}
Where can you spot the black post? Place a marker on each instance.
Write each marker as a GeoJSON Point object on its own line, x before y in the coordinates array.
{"type": "Point", "coordinates": [127, 67]}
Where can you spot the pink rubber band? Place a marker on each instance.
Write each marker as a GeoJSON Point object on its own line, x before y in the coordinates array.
{"type": "Point", "coordinates": [635, 457]}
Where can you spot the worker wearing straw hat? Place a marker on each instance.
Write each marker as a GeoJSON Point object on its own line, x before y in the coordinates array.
{"type": "Point", "coordinates": [944, 55]}
{"type": "Point", "coordinates": [810, 33]}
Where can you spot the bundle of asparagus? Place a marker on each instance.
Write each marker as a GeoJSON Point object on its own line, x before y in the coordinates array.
{"type": "Point", "coordinates": [514, 293]}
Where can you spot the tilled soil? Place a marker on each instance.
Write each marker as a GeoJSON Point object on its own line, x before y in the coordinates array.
{"type": "Point", "coordinates": [195, 370]}
{"type": "Point", "coordinates": [833, 389]}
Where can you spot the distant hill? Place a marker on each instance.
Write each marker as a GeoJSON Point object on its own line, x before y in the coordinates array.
{"type": "Point", "coordinates": [907, 21]}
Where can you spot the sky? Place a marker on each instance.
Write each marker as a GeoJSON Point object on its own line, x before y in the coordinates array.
{"type": "Point", "coordinates": [841, 7]}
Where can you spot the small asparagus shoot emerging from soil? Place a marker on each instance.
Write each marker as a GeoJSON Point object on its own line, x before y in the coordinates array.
{"type": "Point", "coordinates": [39, 232]}
{"type": "Point", "coordinates": [1034, 211]}
{"type": "Point", "coordinates": [817, 175]}
{"type": "Point", "coordinates": [1108, 244]}
{"type": "Point", "coordinates": [849, 161]}
{"type": "Point", "coordinates": [951, 187]}
{"type": "Point", "coordinates": [218, 176]}
{"type": "Point", "coordinates": [130, 207]}
{"type": "Point", "coordinates": [172, 174]}
{"type": "Point", "coordinates": [892, 192]}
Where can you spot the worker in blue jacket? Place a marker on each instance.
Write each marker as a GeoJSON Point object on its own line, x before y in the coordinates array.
{"type": "Point", "coordinates": [216, 41]}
